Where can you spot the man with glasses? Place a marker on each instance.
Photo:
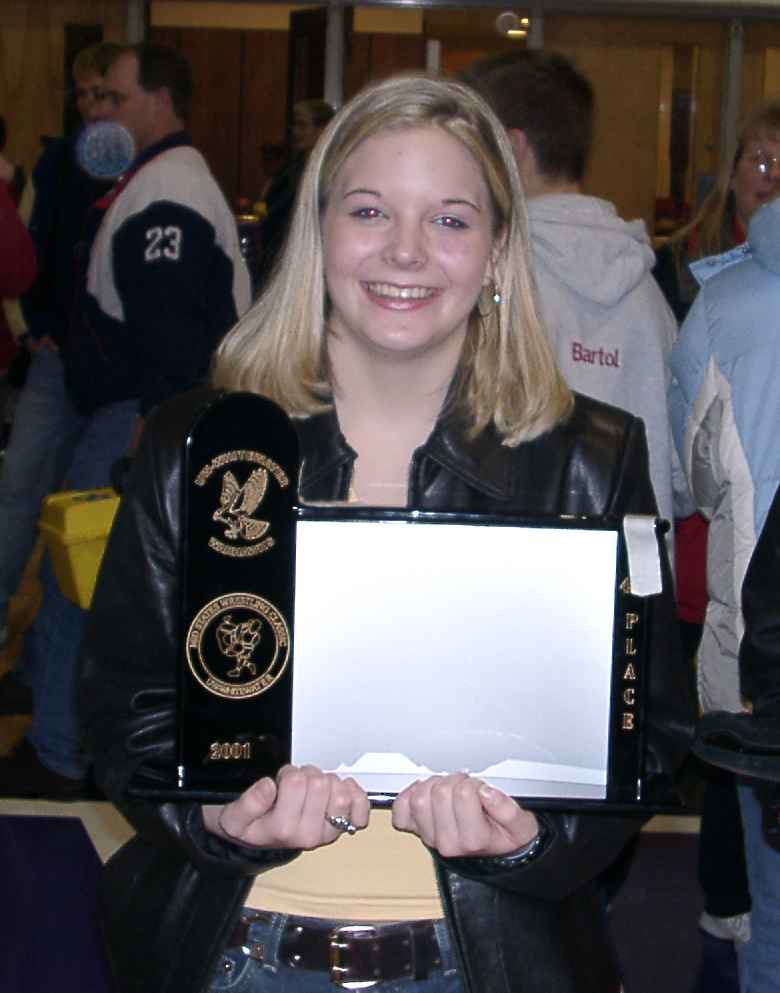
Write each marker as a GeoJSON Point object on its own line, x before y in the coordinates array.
{"type": "Point", "coordinates": [162, 279]}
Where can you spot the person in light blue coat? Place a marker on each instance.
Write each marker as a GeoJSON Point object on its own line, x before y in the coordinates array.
{"type": "Point", "coordinates": [725, 409]}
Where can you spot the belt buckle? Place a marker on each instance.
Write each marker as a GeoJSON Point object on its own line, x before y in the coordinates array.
{"type": "Point", "coordinates": [337, 949]}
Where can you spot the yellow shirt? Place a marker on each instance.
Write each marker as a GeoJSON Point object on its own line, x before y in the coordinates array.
{"type": "Point", "coordinates": [378, 874]}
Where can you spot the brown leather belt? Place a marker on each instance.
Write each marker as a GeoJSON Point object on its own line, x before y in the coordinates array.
{"type": "Point", "coordinates": [350, 953]}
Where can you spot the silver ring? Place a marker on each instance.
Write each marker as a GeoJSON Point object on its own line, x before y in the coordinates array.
{"type": "Point", "coordinates": [341, 823]}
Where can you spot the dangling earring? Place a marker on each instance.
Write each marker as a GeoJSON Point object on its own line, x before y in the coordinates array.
{"type": "Point", "coordinates": [492, 291]}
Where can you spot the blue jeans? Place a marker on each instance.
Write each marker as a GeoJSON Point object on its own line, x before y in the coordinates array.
{"type": "Point", "coordinates": [52, 646]}
{"type": "Point", "coordinates": [44, 435]}
{"type": "Point", "coordinates": [238, 973]}
{"type": "Point", "coordinates": [760, 957]}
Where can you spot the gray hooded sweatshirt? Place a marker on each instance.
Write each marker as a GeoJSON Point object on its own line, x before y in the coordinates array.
{"type": "Point", "coordinates": [609, 324]}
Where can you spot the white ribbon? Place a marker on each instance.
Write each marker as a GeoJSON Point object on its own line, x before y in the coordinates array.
{"type": "Point", "coordinates": [644, 557]}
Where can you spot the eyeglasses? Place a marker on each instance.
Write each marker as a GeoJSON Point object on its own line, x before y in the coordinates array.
{"type": "Point", "coordinates": [96, 93]}
{"type": "Point", "coordinates": [762, 162]}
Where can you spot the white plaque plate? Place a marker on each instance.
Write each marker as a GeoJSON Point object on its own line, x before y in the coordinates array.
{"type": "Point", "coordinates": [424, 647]}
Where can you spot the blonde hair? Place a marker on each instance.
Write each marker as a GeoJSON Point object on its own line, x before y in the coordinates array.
{"type": "Point", "coordinates": [719, 206]}
{"type": "Point", "coordinates": [506, 375]}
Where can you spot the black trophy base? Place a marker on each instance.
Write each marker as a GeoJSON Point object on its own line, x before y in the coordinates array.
{"type": "Point", "coordinates": [241, 466]}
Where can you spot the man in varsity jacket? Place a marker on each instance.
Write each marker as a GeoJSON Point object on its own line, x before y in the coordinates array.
{"type": "Point", "coordinates": [164, 281]}
{"type": "Point", "coordinates": [165, 277]}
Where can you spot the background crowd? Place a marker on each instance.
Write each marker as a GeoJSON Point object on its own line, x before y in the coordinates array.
{"type": "Point", "coordinates": [117, 293]}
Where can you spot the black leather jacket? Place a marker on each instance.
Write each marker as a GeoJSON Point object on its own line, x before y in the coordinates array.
{"type": "Point", "coordinates": [172, 895]}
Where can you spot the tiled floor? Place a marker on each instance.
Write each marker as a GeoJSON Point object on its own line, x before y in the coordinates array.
{"type": "Point", "coordinates": [104, 824]}
{"type": "Point", "coordinates": [106, 827]}
{"type": "Point", "coordinates": [654, 916]}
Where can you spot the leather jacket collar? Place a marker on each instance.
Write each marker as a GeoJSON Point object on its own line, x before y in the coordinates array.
{"type": "Point", "coordinates": [480, 462]}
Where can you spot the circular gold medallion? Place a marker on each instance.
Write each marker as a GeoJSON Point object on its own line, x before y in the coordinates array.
{"type": "Point", "coordinates": [238, 645]}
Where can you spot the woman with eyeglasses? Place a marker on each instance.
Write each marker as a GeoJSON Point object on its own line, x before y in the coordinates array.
{"type": "Point", "coordinates": [747, 181]}
{"type": "Point", "coordinates": [725, 411]}
{"type": "Point", "coordinates": [402, 335]}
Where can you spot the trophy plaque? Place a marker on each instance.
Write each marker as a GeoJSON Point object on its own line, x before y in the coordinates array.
{"type": "Point", "coordinates": [234, 695]}
{"type": "Point", "coordinates": [515, 649]}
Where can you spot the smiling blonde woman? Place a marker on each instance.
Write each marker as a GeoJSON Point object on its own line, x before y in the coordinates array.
{"type": "Point", "coordinates": [401, 332]}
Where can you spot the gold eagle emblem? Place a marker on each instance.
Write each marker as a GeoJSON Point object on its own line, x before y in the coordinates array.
{"type": "Point", "coordinates": [237, 504]}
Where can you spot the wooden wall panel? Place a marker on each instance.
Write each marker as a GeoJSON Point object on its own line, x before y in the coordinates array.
{"type": "Point", "coordinates": [395, 53]}
{"type": "Point", "coordinates": [710, 79]}
{"type": "Point", "coordinates": [624, 156]}
{"type": "Point", "coordinates": [241, 91]}
{"type": "Point", "coordinates": [665, 95]}
{"type": "Point", "coordinates": [32, 84]}
{"type": "Point", "coordinates": [624, 57]}
{"type": "Point", "coordinates": [263, 104]}
{"type": "Point", "coordinates": [454, 59]}
{"type": "Point", "coordinates": [375, 56]}
{"type": "Point", "coordinates": [760, 81]}
{"type": "Point", "coordinates": [215, 125]}
{"type": "Point", "coordinates": [772, 74]}
{"type": "Point", "coordinates": [33, 87]}
{"type": "Point", "coordinates": [605, 31]}
{"type": "Point", "coordinates": [167, 36]}
{"type": "Point", "coordinates": [692, 84]}
{"type": "Point", "coordinates": [357, 64]}
{"type": "Point", "coordinates": [32, 54]}
{"type": "Point", "coordinates": [752, 80]}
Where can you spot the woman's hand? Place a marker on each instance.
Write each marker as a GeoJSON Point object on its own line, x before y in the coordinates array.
{"type": "Point", "coordinates": [461, 816]}
{"type": "Point", "coordinates": [290, 812]}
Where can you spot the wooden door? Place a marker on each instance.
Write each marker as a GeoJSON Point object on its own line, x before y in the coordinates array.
{"type": "Point", "coordinates": [377, 55]}
{"type": "Point", "coordinates": [306, 56]}
{"type": "Point", "coordinates": [215, 57]}
{"type": "Point", "coordinates": [263, 105]}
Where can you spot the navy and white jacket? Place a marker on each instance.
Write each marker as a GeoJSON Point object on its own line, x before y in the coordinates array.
{"type": "Point", "coordinates": [164, 282]}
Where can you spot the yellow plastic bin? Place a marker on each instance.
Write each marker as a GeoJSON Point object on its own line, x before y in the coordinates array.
{"type": "Point", "coordinates": [75, 526]}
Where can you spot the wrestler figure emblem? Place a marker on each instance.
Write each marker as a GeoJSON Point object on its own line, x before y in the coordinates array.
{"type": "Point", "coordinates": [238, 646]}
{"type": "Point", "coordinates": [238, 642]}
